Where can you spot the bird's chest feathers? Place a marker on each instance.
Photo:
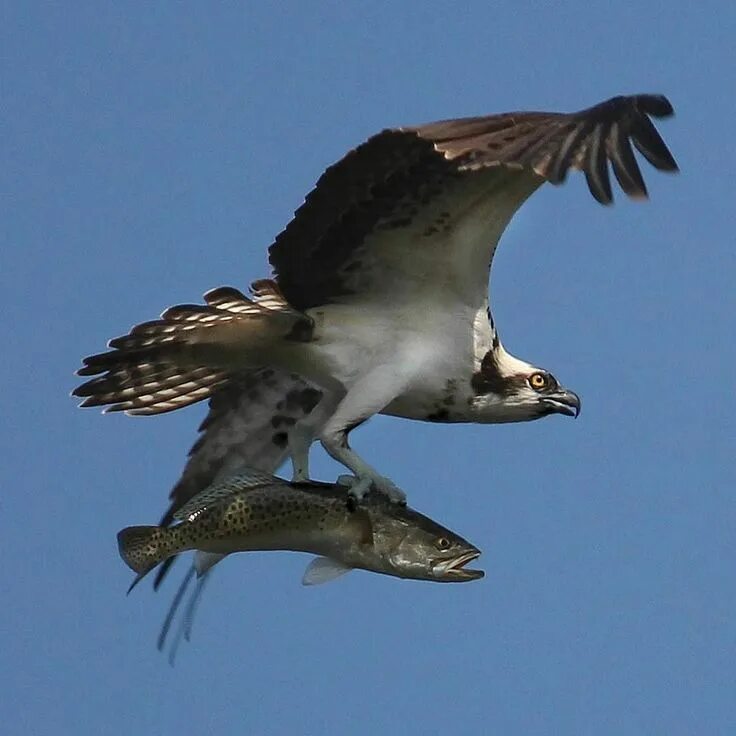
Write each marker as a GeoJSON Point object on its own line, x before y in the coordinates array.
{"type": "Point", "coordinates": [429, 345]}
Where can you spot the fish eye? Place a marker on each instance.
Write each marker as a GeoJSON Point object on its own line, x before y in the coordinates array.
{"type": "Point", "coordinates": [442, 543]}
{"type": "Point", "coordinates": [539, 381]}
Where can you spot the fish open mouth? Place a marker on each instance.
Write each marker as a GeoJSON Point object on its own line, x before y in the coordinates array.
{"type": "Point", "coordinates": [454, 570]}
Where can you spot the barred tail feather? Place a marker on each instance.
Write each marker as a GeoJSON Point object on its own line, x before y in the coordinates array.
{"type": "Point", "coordinates": [140, 385]}
{"type": "Point", "coordinates": [189, 353]}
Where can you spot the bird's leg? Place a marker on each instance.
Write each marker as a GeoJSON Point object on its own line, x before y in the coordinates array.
{"type": "Point", "coordinates": [366, 397]}
{"type": "Point", "coordinates": [303, 433]}
{"type": "Point", "coordinates": [300, 440]}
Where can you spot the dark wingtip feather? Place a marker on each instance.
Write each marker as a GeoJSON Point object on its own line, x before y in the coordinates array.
{"type": "Point", "coordinates": [656, 105]}
{"type": "Point", "coordinates": [607, 131]}
{"type": "Point", "coordinates": [624, 164]}
{"type": "Point", "coordinates": [596, 169]}
{"type": "Point", "coordinates": [649, 143]}
{"type": "Point", "coordinates": [620, 122]}
{"type": "Point", "coordinates": [600, 187]}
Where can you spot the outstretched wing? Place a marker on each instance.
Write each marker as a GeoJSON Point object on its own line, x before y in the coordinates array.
{"type": "Point", "coordinates": [421, 209]}
{"type": "Point", "coordinates": [246, 426]}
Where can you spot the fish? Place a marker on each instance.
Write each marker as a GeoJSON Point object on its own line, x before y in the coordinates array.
{"type": "Point", "coordinates": [255, 511]}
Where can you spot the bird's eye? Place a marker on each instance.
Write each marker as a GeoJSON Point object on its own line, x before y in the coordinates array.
{"type": "Point", "coordinates": [539, 381]}
{"type": "Point", "coordinates": [443, 543]}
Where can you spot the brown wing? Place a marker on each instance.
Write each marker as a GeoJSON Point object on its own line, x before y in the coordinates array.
{"type": "Point", "coordinates": [553, 143]}
{"type": "Point", "coordinates": [246, 426]}
{"type": "Point", "coordinates": [414, 189]}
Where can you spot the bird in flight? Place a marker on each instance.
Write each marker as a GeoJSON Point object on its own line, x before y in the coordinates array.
{"type": "Point", "coordinates": [379, 298]}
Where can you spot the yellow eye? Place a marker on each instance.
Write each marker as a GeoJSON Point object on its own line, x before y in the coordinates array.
{"type": "Point", "coordinates": [538, 381]}
{"type": "Point", "coordinates": [443, 543]}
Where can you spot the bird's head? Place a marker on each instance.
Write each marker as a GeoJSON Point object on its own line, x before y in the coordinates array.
{"type": "Point", "coordinates": [510, 390]}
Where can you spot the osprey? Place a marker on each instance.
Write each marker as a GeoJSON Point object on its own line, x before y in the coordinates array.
{"type": "Point", "coordinates": [379, 298]}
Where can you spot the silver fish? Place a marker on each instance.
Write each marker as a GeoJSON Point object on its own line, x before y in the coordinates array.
{"type": "Point", "coordinates": [254, 511]}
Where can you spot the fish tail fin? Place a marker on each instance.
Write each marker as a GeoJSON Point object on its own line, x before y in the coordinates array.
{"type": "Point", "coordinates": [144, 547]}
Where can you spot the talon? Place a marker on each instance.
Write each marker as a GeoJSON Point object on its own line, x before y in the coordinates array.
{"type": "Point", "coordinates": [394, 493]}
{"type": "Point", "coordinates": [358, 487]}
{"type": "Point", "coordinates": [388, 488]}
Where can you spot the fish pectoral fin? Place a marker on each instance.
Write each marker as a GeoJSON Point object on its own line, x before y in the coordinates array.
{"type": "Point", "coordinates": [204, 561]}
{"type": "Point", "coordinates": [322, 570]}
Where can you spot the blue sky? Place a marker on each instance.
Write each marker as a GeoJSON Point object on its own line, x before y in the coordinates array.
{"type": "Point", "coordinates": [151, 152]}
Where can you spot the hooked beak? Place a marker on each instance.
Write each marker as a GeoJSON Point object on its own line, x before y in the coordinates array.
{"type": "Point", "coordinates": [561, 402]}
{"type": "Point", "coordinates": [454, 570]}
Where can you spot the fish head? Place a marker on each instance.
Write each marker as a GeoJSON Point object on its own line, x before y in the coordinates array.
{"type": "Point", "coordinates": [417, 547]}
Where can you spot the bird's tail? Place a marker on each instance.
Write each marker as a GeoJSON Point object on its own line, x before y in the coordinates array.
{"type": "Point", "coordinates": [144, 547]}
{"type": "Point", "coordinates": [189, 352]}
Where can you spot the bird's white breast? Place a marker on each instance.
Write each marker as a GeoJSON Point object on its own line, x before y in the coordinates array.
{"type": "Point", "coordinates": [434, 347]}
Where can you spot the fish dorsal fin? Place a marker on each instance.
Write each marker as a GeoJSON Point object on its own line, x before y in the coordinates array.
{"type": "Point", "coordinates": [205, 561]}
{"type": "Point", "coordinates": [322, 570]}
{"type": "Point", "coordinates": [220, 491]}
